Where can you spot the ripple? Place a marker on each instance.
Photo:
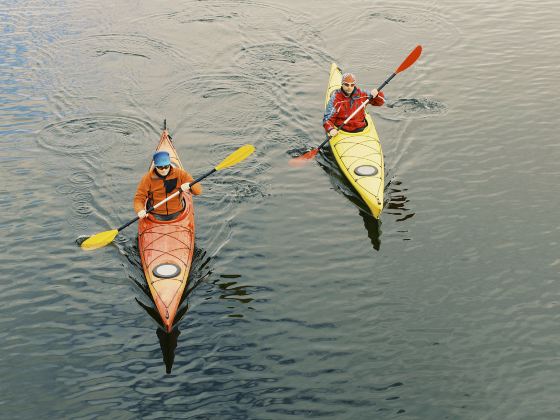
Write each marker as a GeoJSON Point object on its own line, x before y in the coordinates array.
{"type": "Point", "coordinates": [242, 10]}
{"type": "Point", "coordinates": [105, 52]}
{"type": "Point", "coordinates": [88, 136]}
{"type": "Point", "coordinates": [81, 203]}
{"type": "Point", "coordinates": [65, 189]}
{"type": "Point", "coordinates": [209, 14]}
{"type": "Point", "coordinates": [239, 174]}
{"type": "Point", "coordinates": [81, 179]}
{"type": "Point", "coordinates": [245, 190]}
{"type": "Point", "coordinates": [237, 94]}
{"type": "Point", "coordinates": [290, 52]}
{"type": "Point", "coordinates": [297, 152]}
{"type": "Point", "coordinates": [94, 144]}
{"type": "Point", "coordinates": [135, 45]}
{"type": "Point", "coordinates": [402, 20]}
{"type": "Point", "coordinates": [219, 85]}
{"type": "Point", "coordinates": [311, 322]}
{"type": "Point", "coordinates": [398, 202]}
{"type": "Point", "coordinates": [413, 108]}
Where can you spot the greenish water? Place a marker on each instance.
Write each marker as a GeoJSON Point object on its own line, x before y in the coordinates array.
{"type": "Point", "coordinates": [301, 305]}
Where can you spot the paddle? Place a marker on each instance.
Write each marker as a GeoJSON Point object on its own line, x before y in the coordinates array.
{"type": "Point", "coordinates": [103, 238]}
{"type": "Point", "coordinates": [408, 61]}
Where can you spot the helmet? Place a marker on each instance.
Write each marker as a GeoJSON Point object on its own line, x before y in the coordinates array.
{"type": "Point", "coordinates": [161, 158]}
{"type": "Point", "coordinates": [348, 78]}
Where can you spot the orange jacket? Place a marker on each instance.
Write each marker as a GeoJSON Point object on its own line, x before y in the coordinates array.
{"type": "Point", "coordinates": [156, 188]}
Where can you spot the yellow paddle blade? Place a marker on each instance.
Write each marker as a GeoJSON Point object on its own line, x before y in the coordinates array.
{"type": "Point", "coordinates": [99, 240]}
{"type": "Point", "coordinates": [240, 154]}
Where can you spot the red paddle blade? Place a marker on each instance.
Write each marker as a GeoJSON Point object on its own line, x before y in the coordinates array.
{"type": "Point", "coordinates": [409, 61]}
{"type": "Point", "coordinates": [303, 159]}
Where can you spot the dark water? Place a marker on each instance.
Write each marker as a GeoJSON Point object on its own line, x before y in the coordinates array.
{"type": "Point", "coordinates": [304, 307]}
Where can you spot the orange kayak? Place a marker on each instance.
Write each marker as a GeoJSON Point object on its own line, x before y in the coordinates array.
{"type": "Point", "coordinates": [166, 249]}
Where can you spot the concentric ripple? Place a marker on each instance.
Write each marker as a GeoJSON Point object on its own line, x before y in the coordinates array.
{"type": "Point", "coordinates": [87, 136]}
{"type": "Point", "coordinates": [413, 108]}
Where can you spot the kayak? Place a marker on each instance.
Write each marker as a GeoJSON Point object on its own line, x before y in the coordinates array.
{"type": "Point", "coordinates": [166, 249]}
{"type": "Point", "coordinates": [359, 155]}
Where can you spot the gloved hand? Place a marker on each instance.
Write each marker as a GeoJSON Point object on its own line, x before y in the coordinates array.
{"type": "Point", "coordinates": [142, 213]}
{"type": "Point", "coordinates": [186, 186]}
{"type": "Point", "coordinates": [374, 93]}
{"type": "Point", "coordinates": [333, 132]}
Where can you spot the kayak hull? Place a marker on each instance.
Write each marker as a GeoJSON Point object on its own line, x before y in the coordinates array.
{"type": "Point", "coordinates": [166, 250]}
{"type": "Point", "coordinates": [359, 155]}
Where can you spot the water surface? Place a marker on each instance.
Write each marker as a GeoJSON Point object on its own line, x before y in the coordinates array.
{"type": "Point", "coordinates": [301, 305]}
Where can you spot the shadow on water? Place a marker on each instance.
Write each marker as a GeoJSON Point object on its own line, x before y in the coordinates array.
{"type": "Point", "coordinates": [168, 344]}
{"type": "Point", "coordinates": [373, 226]}
{"type": "Point", "coordinates": [199, 272]}
{"type": "Point", "coordinates": [398, 201]}
{"type": "Point", "coordinates": [233, 292]}
{"type": "Point", "coordinates": [167, 341]}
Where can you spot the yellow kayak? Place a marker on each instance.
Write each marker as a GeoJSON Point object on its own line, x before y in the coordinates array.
{"type": "Point", "coordinates": [359, 155]}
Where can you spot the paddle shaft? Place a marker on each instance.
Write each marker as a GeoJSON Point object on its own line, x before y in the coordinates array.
{"type": "Point", "coordinates": [386, 81]}
{"type": "Point", "coordinates": [175, 194]}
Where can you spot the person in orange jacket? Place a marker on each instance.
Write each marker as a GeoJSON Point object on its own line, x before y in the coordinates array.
{"type": "Point", "coordinates": [344, 102]}
{"type": "Point", "coordinates": [158, 184]}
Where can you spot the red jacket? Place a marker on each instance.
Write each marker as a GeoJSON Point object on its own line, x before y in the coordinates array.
{"type": "Point", "coordinates": [341, 107]}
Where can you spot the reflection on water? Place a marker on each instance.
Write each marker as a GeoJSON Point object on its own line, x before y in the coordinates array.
{"type": "Point", "coordinates": [413, 108]}
{"type": "Point", "coordinates": [373, 226]}
{"type": "Point", "coordinates": [396, 200]}
{"type": "Point", "coordinates": [200, 271]}
{"type": "Point", "coordinates": [167, 341]}
{"type": "Point", "coordinates": [85, 86]}
{"type": "Point", "coordinates": [231, 290]}
{"type": "Point", "coordinates": [168, 344]}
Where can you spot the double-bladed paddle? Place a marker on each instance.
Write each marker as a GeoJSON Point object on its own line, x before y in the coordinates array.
{"type": "Point", "coordinates": [408, 61]}
{"type": "Point", "coordinates": [103, 238]}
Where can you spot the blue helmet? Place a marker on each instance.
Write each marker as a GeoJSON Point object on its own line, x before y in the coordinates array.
{"type": "Point", "coordinates": [161, 158]}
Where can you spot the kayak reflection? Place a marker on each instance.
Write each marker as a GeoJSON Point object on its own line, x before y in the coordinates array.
{"type": "Point", "coordinates": [234, 292]}
{"type": "Point", "coordinates": [200, 270]}
{"type": "Point", "coordinates": [372, 225]}
{"type": "Point", "coordinates": [168, 344]}
{"type": "Point", "coordinates": [167, 340]}
{"type": "Point", "coordinates": [398, 201]}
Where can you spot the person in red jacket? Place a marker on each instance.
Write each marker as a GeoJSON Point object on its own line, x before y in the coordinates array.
{"type": "Point", "coordinates": [344, 102]}
{"type": "Point", "coordinates": [158, 184]}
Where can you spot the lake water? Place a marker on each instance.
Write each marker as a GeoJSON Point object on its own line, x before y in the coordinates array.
{"type": "Point", "coordinates": [302, 306]}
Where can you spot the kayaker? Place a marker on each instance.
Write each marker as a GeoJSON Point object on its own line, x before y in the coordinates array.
{"type": "Point", "coordinates": [344, 102]}
{"type": "Point", "coordinates": [159, 183]}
